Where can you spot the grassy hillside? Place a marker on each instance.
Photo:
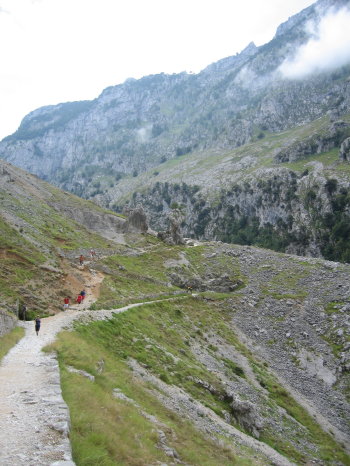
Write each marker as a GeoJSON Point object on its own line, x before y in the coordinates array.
{"type": "Point", "coordinates": [229, 373]}
{"type": "Point", "coordinates": [161, 338]}
{"type": "Point", "coordinates": [152, 358]}
{"type": "Point", "coordinates": [40, 241]}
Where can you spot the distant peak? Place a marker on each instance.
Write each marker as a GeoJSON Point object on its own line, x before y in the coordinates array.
{"type": "Point", "coordinates": [251, 47]}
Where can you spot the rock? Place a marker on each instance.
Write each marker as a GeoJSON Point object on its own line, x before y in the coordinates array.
{"type": "Point", "coordinates": [173, 235]}
{"type": "Point", "coordinates": [344, 152]}
{"type": "Point", "coordinates": [117, 393]}
{"type": "Point", "coordinates": [136, 220]}
{"type": "Point", "coordinates": [100, 366]}
{"type": "Point", "coordinates": [8, 321]}
{"type": "Point", "coordinates": [81, 372]}
{"type": "Point", "coordinates": [247, 417]}
{"type": "Point", "coordinates": [63, 463]}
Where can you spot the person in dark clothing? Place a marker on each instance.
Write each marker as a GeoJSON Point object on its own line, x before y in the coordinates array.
{"type": "Point", "coordinates": [22, 313]}
{"type": "Point", "coordinates": [37, 325]}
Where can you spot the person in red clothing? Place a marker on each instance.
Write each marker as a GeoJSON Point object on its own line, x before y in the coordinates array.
{"type": "Point", "coordinates": [66, 303]}
{"type": "Point", "coordinates": [79, 299]}
{"type": "Point", "coordinates": [81, 259]}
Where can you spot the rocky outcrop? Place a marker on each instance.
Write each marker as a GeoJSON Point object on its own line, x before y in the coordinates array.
{"type": "Point", "coordinates": [106, 224]}
{"type": "Point", "coordinates": [332, 137]}
{"type": "Point", "coordinates": [220, 284]}
{"type": "Point", "coordinates": [344, 152]}
{"type": "Point", "coordinates": [7, 322]}
{"type": "Point", "coordinates": [173, 234]}
{"type": "Point", "coordinates": [246, 415]}
{"type": "Point", "coordinates": [302, 213]}
{"type": "Point", "coordinates": [136, 220]}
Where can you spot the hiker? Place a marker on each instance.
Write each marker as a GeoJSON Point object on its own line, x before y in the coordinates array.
{"type": "Point", "coordinates": [23, 312]}
{"type": "Point", "coordinates": [92, 253]}
{"type": "Point", "coordinates": [66, 303]}
{"type": "Point", "coordinates": [81, 259]}
{"type": "Point", "coordinates": [37, 325]}
{"type": "Point", "coordinates": [79, 299]}
{"type": "Point", "coordinates": [83, 294]}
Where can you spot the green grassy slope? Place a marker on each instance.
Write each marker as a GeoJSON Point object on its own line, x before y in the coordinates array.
{"type": "Point", "coordinates": [160, 338]}
{"type": "Point", "coordinates": [186, 346]}
{"type": "Point", "coordinates": [189, 343]}
{"type": "Point", "coordinates": [220, 168]}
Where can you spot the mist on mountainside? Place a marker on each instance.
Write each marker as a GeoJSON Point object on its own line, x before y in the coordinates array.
{"type": "Point", "coordinates": [327, 49]}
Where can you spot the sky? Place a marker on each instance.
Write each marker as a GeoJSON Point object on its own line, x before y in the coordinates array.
{"type": "Point", "coordinates": [66, 50]}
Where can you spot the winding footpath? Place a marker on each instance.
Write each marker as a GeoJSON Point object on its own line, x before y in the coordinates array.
{"type": "Point", "coordinates": [34, 418]}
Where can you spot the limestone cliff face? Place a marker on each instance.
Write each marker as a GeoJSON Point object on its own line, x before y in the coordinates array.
{"type": "Point", "coordinates": [134, 126]}
{"type": "Point", "coordinates": [305, 214]}
{"type": "Point", "coordinates": [107, 148]}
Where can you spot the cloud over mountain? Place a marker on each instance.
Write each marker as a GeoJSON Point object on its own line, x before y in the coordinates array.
{"type": "Point", "coordinates": [328, 48]}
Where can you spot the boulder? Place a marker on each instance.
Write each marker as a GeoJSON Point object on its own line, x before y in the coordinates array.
{"type": "Point", "coordinates": [173, 234]}
{"type": "Point", "coordinates": [246, 415]}
{"type": "Point", "coordinates": [136, 220]}
{"type": "Point", "coordinates": [344, 152]}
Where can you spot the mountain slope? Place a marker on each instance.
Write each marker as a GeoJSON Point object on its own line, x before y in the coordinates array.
{"type": "Point", "coordinates": [42, 229]}
{"type": "Point", "coordinates": [250, 155]}
{"type": "Point", "coordinates": [256, 357]}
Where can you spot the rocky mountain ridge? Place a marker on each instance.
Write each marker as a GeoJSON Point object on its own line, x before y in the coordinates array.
{"type": "Point", "coordinates": [116, 148]}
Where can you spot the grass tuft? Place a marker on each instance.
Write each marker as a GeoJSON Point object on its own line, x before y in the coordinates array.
{"type": "Point", "coordinates": [9, 340]}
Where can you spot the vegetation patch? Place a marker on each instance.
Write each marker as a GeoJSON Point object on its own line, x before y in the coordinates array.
{"type": "Point", "coordinates": [108, 431]}
{"type": "Point", "coordinates": [9, 340]}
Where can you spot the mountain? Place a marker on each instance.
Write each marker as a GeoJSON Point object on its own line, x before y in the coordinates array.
{"type": "Point", "coordinates": [249, 367]}
{"type": "Point", "coordinates": [249, 153]}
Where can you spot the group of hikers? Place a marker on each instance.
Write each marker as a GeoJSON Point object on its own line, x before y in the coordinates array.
{"type": "Point", "coordinates": [80, 298]}
{"type": "Point", "coordinates": [82, 258]}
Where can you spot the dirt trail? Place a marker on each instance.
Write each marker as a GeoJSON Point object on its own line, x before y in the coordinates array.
{"type": "Point", "coordinates": [34, 418]}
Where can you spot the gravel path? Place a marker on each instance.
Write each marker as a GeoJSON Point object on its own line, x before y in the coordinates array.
{"type": "Point", "coordinates": [34, 418]}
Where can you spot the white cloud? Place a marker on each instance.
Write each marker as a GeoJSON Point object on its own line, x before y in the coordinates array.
{"type": "Point", "coordinates": [329, 47]}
